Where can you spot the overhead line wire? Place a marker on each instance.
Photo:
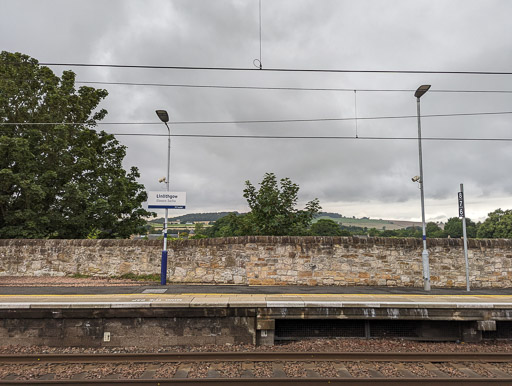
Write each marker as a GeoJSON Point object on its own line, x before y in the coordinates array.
{"type": "Point", "coordinates": [261, 120]}
{"type": "Point", "coordinates": [283, 88]}
{"type": "Point", "coordinates": [313, 137]}
{"type": "Point", "coordinates": [206, 68]}
{"type": "Point", "coordinates": [218, 86]}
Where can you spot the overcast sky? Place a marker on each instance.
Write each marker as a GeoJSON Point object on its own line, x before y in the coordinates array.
{"type": "Point", "coordinates": [354, 177]}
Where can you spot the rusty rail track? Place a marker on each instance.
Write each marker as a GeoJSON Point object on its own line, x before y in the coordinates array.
{"type": "Point", "coordinates": [273, 382]}
{"type": "Point", "coordinates": [276, 382]}
{"type": "Point", "coordinates": [188, 360]}
{"type": "Point", "coordinates": [259, 357]}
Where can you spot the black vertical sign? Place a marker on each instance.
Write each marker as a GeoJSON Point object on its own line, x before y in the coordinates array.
{"type": "Point", "coordinates": [461, 204]}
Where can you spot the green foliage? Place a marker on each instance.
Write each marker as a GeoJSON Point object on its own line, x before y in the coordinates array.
{"type": "Point", "coordinates": [231, 225]}
{"type": "Point", "coordinates": [273, 207]}
{"type": "Point", "coordinates": [407, 232]}
{"type": "Point", "coordinates": [453, 228]}
{"type": "Point", "coordinates": [60, 180]}
{"type": "Point", "coordinates": [373, 232]}
{"type": "Point", "coordinates": [199, 231]}
{"type": "Point", "coordinates": [434, 231]}
{"type": "Point", "coordinates": [196, 237]}
{"type": "Point", "coordinates": [325, 227]}
{"type": "Point", "coordinates": [94, 234]}
{"type": "Point", "coordinates": [344, 232]}
{"type": "Point", "coordinates": [497, 225]}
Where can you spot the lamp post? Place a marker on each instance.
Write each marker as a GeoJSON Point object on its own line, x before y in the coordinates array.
{"type": "Point", "coordinates": [164, 117]}
{"type": "Point", "coordinates": [424, 255]}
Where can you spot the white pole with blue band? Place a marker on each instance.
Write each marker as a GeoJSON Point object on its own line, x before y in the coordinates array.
{"type": "Point", "coordinates": [166, 200]}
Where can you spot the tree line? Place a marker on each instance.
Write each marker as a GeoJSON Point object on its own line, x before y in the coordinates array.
{"type": "Point", "coordinates": [273, 213]}
{"type": "Point", "coordinates": [497, 225]}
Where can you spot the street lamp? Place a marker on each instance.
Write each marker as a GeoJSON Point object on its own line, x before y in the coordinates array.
{"type": "Point", "coordinates": [424, 255]}
{"type": "Point", "coordinates": [164, 117]}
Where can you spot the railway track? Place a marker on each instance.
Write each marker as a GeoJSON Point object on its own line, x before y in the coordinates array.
{"type": "Point", "coordinates": [269, 368]}
{"type": "Point", "coordinates": [258, 357]}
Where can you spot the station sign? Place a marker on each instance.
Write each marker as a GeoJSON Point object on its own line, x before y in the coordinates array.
{"type": "Point", "coordinates": [167, 200]}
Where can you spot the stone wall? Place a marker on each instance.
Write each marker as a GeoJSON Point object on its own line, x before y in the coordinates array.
{"type": "Point", "coordinates": [266, 260]}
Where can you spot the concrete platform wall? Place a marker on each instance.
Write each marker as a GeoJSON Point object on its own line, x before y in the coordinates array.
{"type": "Point", "coordinates": [127, 327]}
{"type": "Point", "coordinates": [265, 260]}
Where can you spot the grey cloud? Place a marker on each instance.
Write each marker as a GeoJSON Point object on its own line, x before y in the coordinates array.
{"type": "Point", "coordinates": [362, 175]}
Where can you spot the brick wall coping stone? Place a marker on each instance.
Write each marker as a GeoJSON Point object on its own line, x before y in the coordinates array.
{"type": "Point", "coordinates": [324, 240]}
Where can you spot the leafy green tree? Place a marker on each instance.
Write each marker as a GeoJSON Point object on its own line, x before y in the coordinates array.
{"type": "Point", "coordinates": [373, 232]}
{"type": "Point", "coordinates": [497, 225]}
{"type": "Point", "coordinates": [389, 233]}
{"type": "Point", "coordinates": [325, 227]}
{"type": "Point", "coordinates": [434, 231]}
{"type": "Point", "coordinates": [60, 180]}
{"type": "Point", "coordinates": [273, 208]}
{"type": "Point", "coordinates": [231, 225]}
{"type": "Point", "coordinates": [199, 228]}
{"type": "Point", "coordinates": [453, 228]}
{"type": "Point", "coordinates": [199, 231]}
{"type": "Point", "coordinates": [410, 232]}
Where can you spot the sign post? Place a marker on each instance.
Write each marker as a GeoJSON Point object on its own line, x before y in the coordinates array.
{"type": "Point", "coordinates": [166, 200]}
{"type": "Point", "coordinates": [464, 234]}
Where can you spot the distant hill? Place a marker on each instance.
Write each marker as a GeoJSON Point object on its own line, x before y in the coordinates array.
{"type": "Point", "coordinates": [329, 214]}
{"type": "Point", "coordinates": [347, 222]}
{"type": "Point", "coordinates": [366, 222]}
{"type": "Point", "coordinates": [407, 224]}
{"type": "Point", "coordinates": [193, 217]}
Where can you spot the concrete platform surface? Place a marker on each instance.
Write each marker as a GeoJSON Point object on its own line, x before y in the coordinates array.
{"type": "Point", "coordinates": [230, 300]}
{"type": "Point", "coordinates": [199, 315]}
{"type": "Point", "coordinates": [242, 290]}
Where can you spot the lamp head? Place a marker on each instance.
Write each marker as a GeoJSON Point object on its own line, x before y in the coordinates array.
{"type": "Point", "coordinates": [162, 114]}
{"type": "Point", "coordinates": [415, 178]}
{"type": "Point", "coordinates": [421, 90]}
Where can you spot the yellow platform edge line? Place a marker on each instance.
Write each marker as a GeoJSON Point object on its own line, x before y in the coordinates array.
{"type": "Point", "coordinates": [254, 294]}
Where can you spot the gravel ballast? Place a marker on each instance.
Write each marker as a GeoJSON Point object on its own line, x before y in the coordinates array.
{"type": "Point", "coordinates": [237, 369]}
{"type": "Point", "coordinates": [316, 345]}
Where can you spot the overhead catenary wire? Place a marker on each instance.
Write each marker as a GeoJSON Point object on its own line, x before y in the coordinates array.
{"type": "Point", "coordinates": [263, 120]}
{"type": "Point", "coordinates": [313, 137]}
{"type": "Point", "coordinates": [215, 86]}
{"type": "Point", "coordinates": [311, 70]}
{"type": "Point", "coordinates": [284, 88]}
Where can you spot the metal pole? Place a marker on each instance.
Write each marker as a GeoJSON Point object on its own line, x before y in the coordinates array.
{"type": "Point", "coordinates": [163, 272]}
{"type": "Point", "coordinates": [424, 254]}
{"type": "Point", "coordinates": [464, 234]}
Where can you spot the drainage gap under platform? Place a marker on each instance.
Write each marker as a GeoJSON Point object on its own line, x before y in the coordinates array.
{"type": "Point", "coordinates": [503, 331]}
{"type": "Point", "coordinates": [297, 329]}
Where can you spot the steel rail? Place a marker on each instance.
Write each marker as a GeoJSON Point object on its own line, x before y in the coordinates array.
{"type": "Point", "coordinates": [258, 357]}
{"type": "Point", "coordinates": [438, 381]}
